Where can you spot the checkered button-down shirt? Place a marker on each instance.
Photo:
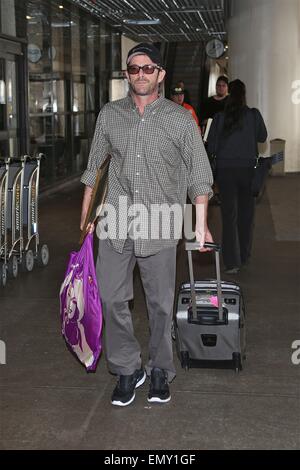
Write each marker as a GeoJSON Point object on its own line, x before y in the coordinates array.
{"type": "Point", "coordinates": [156, 159]}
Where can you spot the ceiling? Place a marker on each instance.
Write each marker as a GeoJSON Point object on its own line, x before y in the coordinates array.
{"type": "Point", "coordinates": [174, 20]}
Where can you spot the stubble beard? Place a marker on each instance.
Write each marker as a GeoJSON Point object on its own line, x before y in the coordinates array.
{"type": "Point", "coordinates": [149, 90]}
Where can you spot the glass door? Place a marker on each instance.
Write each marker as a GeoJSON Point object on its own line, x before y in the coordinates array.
{"type": "Point", "coordinates": [9, 106]}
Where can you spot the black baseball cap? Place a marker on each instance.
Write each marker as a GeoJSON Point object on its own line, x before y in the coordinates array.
{"type": "Point", "coordinates": [148, 49]}
{"type": "Point", "coordinates": [177, 90]}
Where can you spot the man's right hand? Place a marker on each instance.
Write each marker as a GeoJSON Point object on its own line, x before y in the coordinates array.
{"type": "Point", "coordinates": [89, 228]}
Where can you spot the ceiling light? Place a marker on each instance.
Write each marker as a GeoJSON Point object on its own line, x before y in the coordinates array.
{"type": "Point", "coordinates": [142, 22]}
{"type": "Point", "coordinates": [163, 1]}
{"type": "Point", "coordinates": [60, 6]}
{"type": "Point", "coordinates": [167, 14]}
{"type": "Point", "coordinates": [129, 4]}
{"type": "Point", "coordinates": [66, 24]}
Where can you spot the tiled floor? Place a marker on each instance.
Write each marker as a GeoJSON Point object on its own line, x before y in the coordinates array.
{"type": "Point", "coordinates": [48, 401]}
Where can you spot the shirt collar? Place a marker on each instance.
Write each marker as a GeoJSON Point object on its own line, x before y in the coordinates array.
{"type": "Point", "coordinates": [155, 104]}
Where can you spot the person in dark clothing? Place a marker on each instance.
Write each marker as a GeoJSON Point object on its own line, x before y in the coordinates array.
{"type": "Point", "coordinates": [237, 131]}
{"type": "Point", "coordinates": [211, 107]}
{"type": "Point", "coordinates": [215, 104]}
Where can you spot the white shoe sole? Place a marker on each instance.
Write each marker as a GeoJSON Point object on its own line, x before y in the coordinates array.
{"type": "Point", "coordinates": [158, 400]}
{"type": "Point", "coordinates": [120, 403]}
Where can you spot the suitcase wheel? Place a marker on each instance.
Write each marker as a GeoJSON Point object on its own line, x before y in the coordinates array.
{"type": "Point", "coordinates": [237, 362]}
{"type": "Point", "coordinates": [185, 360]}
{"type": "Point", "coordinates": [173, 332]}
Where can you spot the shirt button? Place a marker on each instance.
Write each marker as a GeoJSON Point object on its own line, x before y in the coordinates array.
{"type": "Point", "coordinates": [139, 156]}
{"type": "Point", "coordinates": [136, 191]}
{"type": "Point", "coordinates": [143, 120]}
{"type": "Point", "coordinates": [137, 174]}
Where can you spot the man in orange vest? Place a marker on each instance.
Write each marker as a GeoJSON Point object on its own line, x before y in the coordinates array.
{"type": "Point", "coordinates": [177, 95]}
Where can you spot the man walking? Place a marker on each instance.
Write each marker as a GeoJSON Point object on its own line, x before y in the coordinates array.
{"type": "Point", "coordinates": [157, 155]}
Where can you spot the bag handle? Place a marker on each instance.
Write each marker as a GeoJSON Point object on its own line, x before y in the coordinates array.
{"type": "Point", "coordinates": [86, 258]}
{"type": "Point", "coordinates": [86, 245]}
{"type": "Point", "coordinates": [194, 246]}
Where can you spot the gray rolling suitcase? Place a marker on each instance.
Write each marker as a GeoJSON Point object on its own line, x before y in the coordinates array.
{"type": "Point", "coordinates": [209, 320]}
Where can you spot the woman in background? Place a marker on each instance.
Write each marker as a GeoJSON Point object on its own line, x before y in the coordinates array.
{"type": "Point", "coordinates": [233, 137]}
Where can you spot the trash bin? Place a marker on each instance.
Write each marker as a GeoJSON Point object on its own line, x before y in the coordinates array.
{"type": "Point", "coordinates": [277, 146]}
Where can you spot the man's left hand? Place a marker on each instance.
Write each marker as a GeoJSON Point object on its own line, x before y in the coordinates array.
{"type": "Point", "coordinates": [203, 236]}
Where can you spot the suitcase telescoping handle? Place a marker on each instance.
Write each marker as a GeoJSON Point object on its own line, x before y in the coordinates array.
{"type": "Point", "coordinates": [194, 246]}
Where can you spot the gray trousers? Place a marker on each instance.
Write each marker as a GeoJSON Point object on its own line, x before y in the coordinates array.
{"type": "Point", "coordinates": [115, 277]}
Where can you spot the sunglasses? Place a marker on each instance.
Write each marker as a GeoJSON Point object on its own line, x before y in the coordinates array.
{"type": "Point", "coordinates": [147, 69]}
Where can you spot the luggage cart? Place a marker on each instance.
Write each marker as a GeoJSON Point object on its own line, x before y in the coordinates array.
{"type": "Point", "coordinates": [14, 211]}
{"type": "Point", "coordinates": [3, 223]}
{"type": "Point", "coordinates": [33, 253]}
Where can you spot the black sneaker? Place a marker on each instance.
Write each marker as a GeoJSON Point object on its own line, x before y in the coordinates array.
{"type": "Point", "coordinates": [159, 388]}
{"type": "Point", "coordinates": [124, 392]}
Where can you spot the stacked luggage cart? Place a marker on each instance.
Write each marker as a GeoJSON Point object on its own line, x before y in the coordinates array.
{"type": "Point", "coordinates": [19, 237]}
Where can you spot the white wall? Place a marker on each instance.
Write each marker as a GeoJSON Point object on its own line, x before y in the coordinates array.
{"type": "Point", "coordinates": [214, 74]}
{"type": "Point", "coordinates": [264, 52]}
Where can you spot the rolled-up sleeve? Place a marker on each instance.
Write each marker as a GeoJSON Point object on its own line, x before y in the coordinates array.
{"type": "Point", "coordinates": [200, 178]}
{"type": "Point", "coordinates": [99, 150]}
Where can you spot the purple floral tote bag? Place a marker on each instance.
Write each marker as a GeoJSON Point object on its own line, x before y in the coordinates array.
{"type": "Point", "coordinates": [80, 306]}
